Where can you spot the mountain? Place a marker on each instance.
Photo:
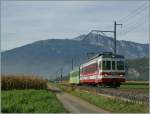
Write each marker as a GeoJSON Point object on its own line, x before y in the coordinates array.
{"type": "Point", "coordinates": [51, 57]}
{"type": "Point", "coordinates": [127, 48]}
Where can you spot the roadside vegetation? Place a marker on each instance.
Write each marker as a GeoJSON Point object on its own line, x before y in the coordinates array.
{"type": "Point", "coordinates": [112, 105]}
{"type": "Point", "coordinates": [28, 94]}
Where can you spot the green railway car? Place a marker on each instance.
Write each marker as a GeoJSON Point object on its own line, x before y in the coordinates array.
{"type": "Point", "coordinates": [74, 77]}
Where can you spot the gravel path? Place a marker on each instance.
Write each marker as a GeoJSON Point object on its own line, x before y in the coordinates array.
{"type": "Point", "coordinates": [75, 104]}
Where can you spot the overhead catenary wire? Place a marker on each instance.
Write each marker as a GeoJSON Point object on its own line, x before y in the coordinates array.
{"type": "Point", "coordinates": [132, 25]}
{"type": "Point", "coordinates": [131, 29]}
{"type": "Point", "coordinates": [130, 17]}
{"type": "Point", "coordinates": [127, 20]}
{"type": "Point", "coordinates": [133, 13]}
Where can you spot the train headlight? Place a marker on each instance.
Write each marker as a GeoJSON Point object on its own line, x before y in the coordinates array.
{"type": "Point", "coordinates": [105, 75]}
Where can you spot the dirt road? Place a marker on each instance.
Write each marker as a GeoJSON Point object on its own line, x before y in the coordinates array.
{"type": "Point", "coordinates": [74, 104]}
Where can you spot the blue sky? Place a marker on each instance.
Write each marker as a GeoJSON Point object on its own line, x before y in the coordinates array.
{"type": "Point", "coordinates": [23, 22]}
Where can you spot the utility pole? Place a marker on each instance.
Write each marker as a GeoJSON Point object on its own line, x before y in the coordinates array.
{"type": "Point", "coordinates": [72, 63]}
{"type": "Point", "coordinates": [115, 32]}
{"type": "Point", "coordinates": [61, 75]}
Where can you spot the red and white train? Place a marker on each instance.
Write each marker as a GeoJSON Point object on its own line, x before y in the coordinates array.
{"type": "Point", "coordinates": [103, 69]}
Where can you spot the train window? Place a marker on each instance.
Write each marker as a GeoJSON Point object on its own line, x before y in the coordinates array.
{"type": "Point", "coordinates": [120, 65]}
{"type": "Point", "coordinates": [106, 65]}
{"type": "Point", "coordinates": [113, 65]}
{"type": "Point", "coordinates": [100, 65]}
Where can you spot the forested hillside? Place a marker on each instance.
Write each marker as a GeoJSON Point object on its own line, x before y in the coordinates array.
{"type": "Point", "coordinates": [138, 69]}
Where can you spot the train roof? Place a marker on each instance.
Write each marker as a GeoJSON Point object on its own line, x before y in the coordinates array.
{"type": "Point", "coordinates": [106, 55]}
{"type": "Point", "coordinates": [103, 55]}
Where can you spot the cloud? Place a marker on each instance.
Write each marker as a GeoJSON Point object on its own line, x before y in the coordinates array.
{"type": "Point", "coordinates": [28, 21]}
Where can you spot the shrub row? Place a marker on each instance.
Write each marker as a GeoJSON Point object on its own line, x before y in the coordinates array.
{"type": "Point", "coordinates": [9, 82]}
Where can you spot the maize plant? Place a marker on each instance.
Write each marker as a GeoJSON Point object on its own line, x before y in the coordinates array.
{"type": "Point", "coordinates": [9, 82]}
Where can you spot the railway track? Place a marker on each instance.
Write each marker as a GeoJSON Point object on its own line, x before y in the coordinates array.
{"type": "Point", "coordinates": [130, 96]}
{"type": "Point", "coordinates": [116, 92]}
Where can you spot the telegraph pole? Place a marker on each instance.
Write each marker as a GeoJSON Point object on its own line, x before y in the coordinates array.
{"type": "Point", "coordinates": [61, 74]}
{"type": "Point", "coordinates": [115, 25]}
{"type": "Point", "coordinates": [72, 63]}
{"type": "Point", "coordinates": [115, 37]}
{"type": "Point", "coordinates": [114, 32]}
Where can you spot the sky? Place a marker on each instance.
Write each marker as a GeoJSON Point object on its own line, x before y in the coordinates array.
{"type": "Point", "coordinates": [24, 22]}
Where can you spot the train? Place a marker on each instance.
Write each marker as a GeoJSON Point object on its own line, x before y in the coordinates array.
{"type": "Point", "coordinates": [105, 69]}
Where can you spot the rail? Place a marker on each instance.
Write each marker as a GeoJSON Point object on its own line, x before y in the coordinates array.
{"type": "Point", "coordinates": [128, 96]}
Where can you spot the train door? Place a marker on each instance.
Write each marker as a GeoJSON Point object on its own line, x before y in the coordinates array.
{"type": "Point", "coordinates": [96, 72]}
{"type": "Point", "coordinates": [99, 76]}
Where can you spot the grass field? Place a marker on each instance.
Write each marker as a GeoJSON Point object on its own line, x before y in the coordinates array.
{"type": "Point", "coordinates": [142, 87]}
{"type": "Point", "coordinates": [112, 105]}
{"type": "Point", "coordinates": [33, 101]}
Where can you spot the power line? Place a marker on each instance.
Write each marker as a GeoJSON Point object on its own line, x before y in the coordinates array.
{"type": "Point", "coordinates": [134, 13]}
{"type": "Point", "coordinates": [135, 20]}
{"type": "Point", "coordinates": [131, 29]}
{"type": "Point", "coordinates": [132, 25]}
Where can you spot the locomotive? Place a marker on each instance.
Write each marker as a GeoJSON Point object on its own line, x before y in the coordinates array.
{"type": "Point", "coordinates": [106, 69]}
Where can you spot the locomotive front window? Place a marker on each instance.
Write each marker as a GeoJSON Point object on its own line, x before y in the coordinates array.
{"type": "Point", "coordinates": [113, 65]}
{"type": "Point", "coordinates": [120, 65]}
{"type": "Point", "coordinates": [100, 65]}
{"type": "Point", "coordinates": [106, 65]}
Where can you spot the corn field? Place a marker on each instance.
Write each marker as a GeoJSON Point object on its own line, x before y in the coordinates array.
{"type": "Point", "coordinates": [9, 82]}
